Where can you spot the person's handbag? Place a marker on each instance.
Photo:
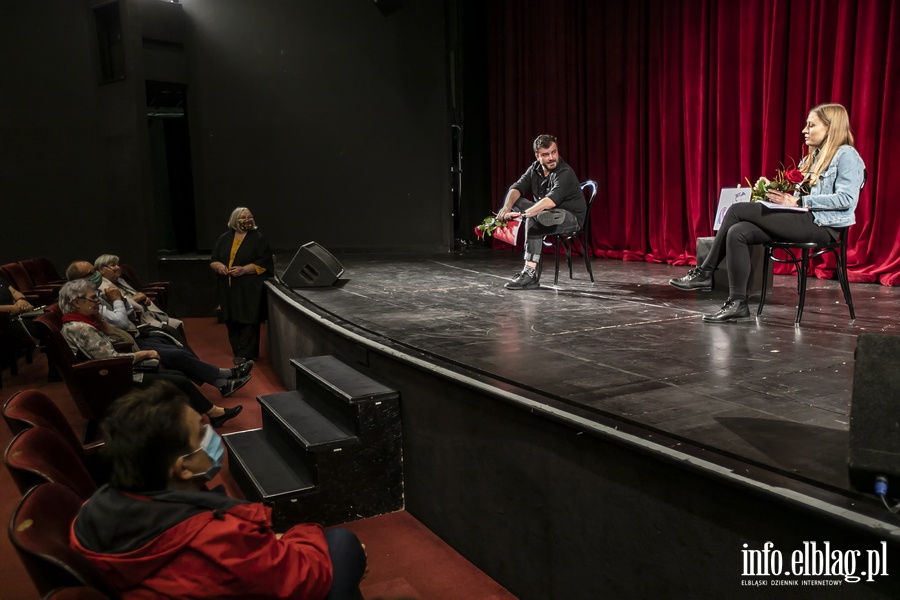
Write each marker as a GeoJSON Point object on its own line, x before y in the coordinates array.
{"type": "Point", "coordinates": [508, 234]}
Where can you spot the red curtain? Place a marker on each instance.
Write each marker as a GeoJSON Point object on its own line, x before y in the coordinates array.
{"type": "Point", "coordinates": [664, 102]}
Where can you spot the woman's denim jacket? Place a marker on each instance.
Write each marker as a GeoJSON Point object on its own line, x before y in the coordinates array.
{"type": "Point", "coordinates": [833, 199]}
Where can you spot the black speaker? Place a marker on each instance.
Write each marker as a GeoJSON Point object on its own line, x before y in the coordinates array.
{"type": "Point", "coordinates": [312, 266]}
{"type": "Point", "coordinates": [875, 413]}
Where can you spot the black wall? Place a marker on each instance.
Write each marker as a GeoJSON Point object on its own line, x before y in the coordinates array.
{"type": "Point", "coordinates": [328, 119]}
{"type": "Point", "coordinates": [69, 147]}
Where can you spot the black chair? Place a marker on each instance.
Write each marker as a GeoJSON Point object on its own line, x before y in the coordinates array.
{"type": "Point", "coordinates": [582, 235]}
{"type": "Point", "coordinates": [803, 263]}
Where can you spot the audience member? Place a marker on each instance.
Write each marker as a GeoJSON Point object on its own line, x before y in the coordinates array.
{"type": "Point", "coordinates": [16, 305]}
{"type": "Point", "coordinates": [87, 332]}
{"type": "Point", "coordinates": [154, 532]}
{"type": "Point", "coordinates": [242, 260]}
{"type": "Point", "coordinates": [146, 311]}
{"type": "Point", "coordinates": [175, 355]}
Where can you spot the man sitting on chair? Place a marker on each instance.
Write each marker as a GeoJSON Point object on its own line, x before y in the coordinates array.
{"type": "Point", "coordinates": [559, 205]}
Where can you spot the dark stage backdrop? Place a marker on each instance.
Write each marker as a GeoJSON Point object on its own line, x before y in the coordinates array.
{"type": "Point", "coordinates": [328, 119]}
{"type": "Point", "coordinates": [664, 103]}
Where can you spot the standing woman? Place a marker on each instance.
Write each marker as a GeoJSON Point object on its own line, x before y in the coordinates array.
{"type": "Point", "coordinates": [242, 260]}
{"type": "Point", "coordinates": [835, 173]}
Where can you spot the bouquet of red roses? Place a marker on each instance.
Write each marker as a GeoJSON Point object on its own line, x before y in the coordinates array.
{"type": "Point", "coordinates": [487, 227]}
{"type": "Point", "coordinates": [785, 180]}
{"type": "Point", "coordinates": [505, 231]}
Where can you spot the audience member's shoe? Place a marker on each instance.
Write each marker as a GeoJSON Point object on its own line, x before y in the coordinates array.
{"type": "Point", "coordinates": [732, 310]}
{"type": "Point", "coordinates": [238, 361]}
{"type": "Point", "coordinates": [234, 385]}
{"type": "Point", "coordinates": [550, 218]}
{"type": "Point", "coordinates": [229, 414]}
{"type": "Point", "coordinates": [242, 370]}
{"type": "Point", "coordinates": [696, 279]}
{"type": "Point", "coordinates": [525, 280]}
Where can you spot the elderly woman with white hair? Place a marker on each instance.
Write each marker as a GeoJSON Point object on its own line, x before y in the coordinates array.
{"type": "Point", "coordinates": [89, 334]}
{"type": "Point", "coordinates": [148, 313]}
{"type": "Point", "coordinates": [242, 261]}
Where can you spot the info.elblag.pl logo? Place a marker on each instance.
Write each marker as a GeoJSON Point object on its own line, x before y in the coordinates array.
{"type": "Point", "coordinates": [812, 565]}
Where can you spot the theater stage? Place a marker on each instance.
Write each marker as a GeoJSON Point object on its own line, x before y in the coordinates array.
{"type": "Point", "coordinates": [631, 347]}
{"type": "Point", "coordinates": [761, 403]}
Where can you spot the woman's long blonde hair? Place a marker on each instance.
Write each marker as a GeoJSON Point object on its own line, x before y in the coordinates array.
{"type": "Point", "coordinates": [835, 117]}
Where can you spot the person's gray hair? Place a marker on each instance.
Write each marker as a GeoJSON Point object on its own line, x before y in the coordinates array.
{"type": "Point", "coordinates": [233, 219]}
{"type": "Point", "coordinates": [104, 260]}
{"type": "Point", "coordinates": [71, 292]}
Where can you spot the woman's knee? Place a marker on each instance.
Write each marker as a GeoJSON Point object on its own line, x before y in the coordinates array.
{"type": "Point", "coordinates": [744, 234]}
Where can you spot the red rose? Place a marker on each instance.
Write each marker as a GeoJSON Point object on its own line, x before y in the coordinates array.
{"type": "Point", "coordinates": [478, 232]}
{"type": "Point", "coordinates": [794, 176]}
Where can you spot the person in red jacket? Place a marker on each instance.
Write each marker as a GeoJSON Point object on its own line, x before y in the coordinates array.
{"type": "Point", "coordinates": [154, 532]}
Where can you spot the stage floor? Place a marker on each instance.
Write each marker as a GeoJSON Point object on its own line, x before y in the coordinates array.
{"type": "Point", "coordinates": [631, 347]}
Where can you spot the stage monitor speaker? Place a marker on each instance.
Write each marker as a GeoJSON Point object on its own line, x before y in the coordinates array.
{"type": "Point", "coordinates": [874, 448]}
{"type": "Point", "coordinates": [312, 266]}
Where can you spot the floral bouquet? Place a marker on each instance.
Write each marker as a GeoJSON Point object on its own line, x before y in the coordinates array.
{"type": "Point", "coordinates": [504, 231]}
{"type": "Point", "coordinates": [487, 227]}
{"type": "Point", "coordinates": [785, 180]}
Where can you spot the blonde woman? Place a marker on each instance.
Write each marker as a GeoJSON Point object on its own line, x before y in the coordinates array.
{"type": "Point", "coordinates": [835, 173]}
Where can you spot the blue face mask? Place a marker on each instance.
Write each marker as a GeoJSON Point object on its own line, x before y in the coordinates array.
{"type": "Point", "coordinates": [212, 445]}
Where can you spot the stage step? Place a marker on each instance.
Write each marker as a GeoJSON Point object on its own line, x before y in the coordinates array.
{"type": "Point", "coordinates": [262, 471]}
{"type": "Point", "coordinates": [328, 452]}
{"type": "Point", "coordinates": [341, 380]}
{"type": "Point", "coordinates": [310, 421]}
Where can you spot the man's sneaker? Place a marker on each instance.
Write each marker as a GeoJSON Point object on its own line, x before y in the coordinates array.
{"type": "Point", "coordinates": [242, 370]}
{"type": "Point", "coordinates": [550, 218]}
{"type": "Point", "coordinates": [233, 385]}
{"type": "Point", "coordinates": [525, 280]}
{"type": "Point", "coordinates": [696, 279]}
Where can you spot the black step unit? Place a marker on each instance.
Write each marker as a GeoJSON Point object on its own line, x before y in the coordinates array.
{"type": "Point", "coordinates": [341, 430]}
{"type": "Point", "coordinates": [265, 472]}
